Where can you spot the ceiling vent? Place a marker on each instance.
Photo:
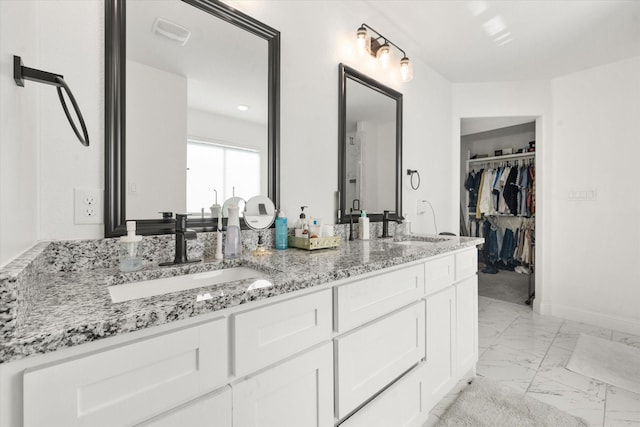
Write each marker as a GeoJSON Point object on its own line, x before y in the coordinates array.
{"type": "Point", "coordinates": [171, 30]}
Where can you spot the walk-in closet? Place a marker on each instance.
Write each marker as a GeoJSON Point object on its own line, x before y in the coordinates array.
{"type": "Point", "coordinates": [498, 203]}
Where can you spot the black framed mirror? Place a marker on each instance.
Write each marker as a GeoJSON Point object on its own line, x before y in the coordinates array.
{"type": "Point", "coordinates": [369, 147]}
{"type": "Point", "coordinates": [118, 159]}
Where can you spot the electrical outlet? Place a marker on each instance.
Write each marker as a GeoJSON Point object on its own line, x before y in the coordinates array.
{"type": "Point", "coordinates": [88, 206]}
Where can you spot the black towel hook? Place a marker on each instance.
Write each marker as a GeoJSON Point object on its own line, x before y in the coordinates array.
{"type": "Point", "coordinates": [22, 73]}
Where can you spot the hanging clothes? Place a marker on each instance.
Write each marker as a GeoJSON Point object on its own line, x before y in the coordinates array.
{"type": "Point", "coordinates": [505, 190]}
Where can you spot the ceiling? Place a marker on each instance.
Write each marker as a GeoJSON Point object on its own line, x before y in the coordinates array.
{"type": "Point", "coordinates": [541, 39]}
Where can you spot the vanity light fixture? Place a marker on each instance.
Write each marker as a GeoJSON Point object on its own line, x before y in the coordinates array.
{"type": "Point", "coordinates": [380, 47]}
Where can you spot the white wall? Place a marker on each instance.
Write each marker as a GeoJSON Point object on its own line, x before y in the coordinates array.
{"type": "Point", "coordinates": [594, 274]}
{"type": "Point", "coordinates": [72, 44]}
{"type": "Point", "coordinates": [156, 117]}
{"type": "Point", "coordinates": [19, 127]}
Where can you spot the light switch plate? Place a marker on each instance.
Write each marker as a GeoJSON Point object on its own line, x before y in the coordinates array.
{"type": "Point", "coordinates": [88, 206]}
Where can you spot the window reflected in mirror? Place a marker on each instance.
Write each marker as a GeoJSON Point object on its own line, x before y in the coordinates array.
{"type": "Point", "coordinates": [229, 170]}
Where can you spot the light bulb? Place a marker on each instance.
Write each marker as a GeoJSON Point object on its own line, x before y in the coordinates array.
{"type": "Point", "coordinates": [361, 40]}
{"type": "Point", "coordinates": [384, 54]}
{"type": "Point", "coordinates": [406, 70]}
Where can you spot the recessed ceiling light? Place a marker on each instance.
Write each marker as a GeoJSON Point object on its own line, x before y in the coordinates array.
{"type": "Point", "coordinates": [242, 107]}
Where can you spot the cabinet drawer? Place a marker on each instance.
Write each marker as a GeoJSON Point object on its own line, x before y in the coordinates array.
{"type": "Point", "coordinates": [368, 299]}
{"type": "Point", "coordinates": [130, 383]}
{"type": "Point", "coordinates": [439, 273]}
{"type": "Point", "coordinates": [199, 413]}
{"type": "Point", "coordinates": [466, 264]}
{"type": "Point", "coordinates": [402, 404]}
{"type": "Point", "coordinates": [268, 334]}
{"type": "Point", "coordinates": [298, 392]}
{"type": "Point", "coordinates": [373, 356]}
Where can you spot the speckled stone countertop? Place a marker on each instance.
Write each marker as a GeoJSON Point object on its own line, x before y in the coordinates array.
{"type": "Point", "coordinates": [73, 306]}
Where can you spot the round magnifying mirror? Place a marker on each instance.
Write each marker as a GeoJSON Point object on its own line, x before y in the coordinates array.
{"type": "Point", "coordinates": [234, 201]}
{"type": "Point", "coordinates": [259, 214]}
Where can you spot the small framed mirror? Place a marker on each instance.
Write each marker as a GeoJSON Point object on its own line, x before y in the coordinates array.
{"type": "Point", "coordinates": [370, 147]}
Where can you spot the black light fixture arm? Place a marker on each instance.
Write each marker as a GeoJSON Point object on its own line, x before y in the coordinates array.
{"type": "Point", "coordinates": [380, 36]}
{"type": "Point", "coordinates": [22, 73]}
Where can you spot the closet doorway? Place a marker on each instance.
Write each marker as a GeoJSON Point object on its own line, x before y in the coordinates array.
{"type": "Point", "coordinates": [498, 177]}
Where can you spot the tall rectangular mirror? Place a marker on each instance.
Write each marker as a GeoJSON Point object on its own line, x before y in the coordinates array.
{"type": "Point", "coordinates": [370, 146]}
{"type": "Point", "coordinates": [192, 111]}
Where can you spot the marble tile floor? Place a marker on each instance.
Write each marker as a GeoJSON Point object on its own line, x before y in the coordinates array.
{"type": "Point", "coordinates": [528, 353]}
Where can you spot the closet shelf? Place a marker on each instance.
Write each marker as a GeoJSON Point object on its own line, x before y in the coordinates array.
{"type": "Point", "coordinates": [528, 155]}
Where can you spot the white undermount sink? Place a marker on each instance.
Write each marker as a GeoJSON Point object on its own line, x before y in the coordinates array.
{"type": "Point", "coordinates": [149, 288]}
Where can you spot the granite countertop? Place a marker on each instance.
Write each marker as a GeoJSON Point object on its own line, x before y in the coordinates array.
{"type": "Point", "coordinates": [75, 307]}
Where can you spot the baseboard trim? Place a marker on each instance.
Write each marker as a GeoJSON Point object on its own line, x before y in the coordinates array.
{"type": "Point", "coordinates": [622, 324]}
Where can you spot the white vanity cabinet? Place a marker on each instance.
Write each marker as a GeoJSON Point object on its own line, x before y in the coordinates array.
{"type": "Point", "coordinates": [271, 333]}
{"type": "Point", "coordinates": [452, 322]}
{"type": "Point", "coordinates": [129, 383]}
{"type": "Point", "coordinates": [373, 356]}
{"type": "Point", "coordinates": [375, 350]}
{"type": "Point", "coordinates": [213, 409]}
{"type": "Point", "coordinates": [295, 393]}
{"type": "Point", "coordinates": [440, 337]}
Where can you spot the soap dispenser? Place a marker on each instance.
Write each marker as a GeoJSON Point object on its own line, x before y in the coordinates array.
{"type": "Point", "coordinates": [130, 249]}
{"type": "Point", "coordinates": [233, 241]}
{"type": "Point", "coordinates": [363, 226]}
{"type": "Point", "coordinates": [282, 232]}
{"type": "Point", "coordinates": [302, 223]}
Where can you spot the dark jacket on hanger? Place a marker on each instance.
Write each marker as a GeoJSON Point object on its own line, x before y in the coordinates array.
{"type": "Point", "coordinates": [511, 191]}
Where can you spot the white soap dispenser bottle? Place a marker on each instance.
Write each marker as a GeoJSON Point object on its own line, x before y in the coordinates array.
{"type": "Point", "coordinates": [233, 241]}
{"type": "Point", "coordinates": [130, 249]}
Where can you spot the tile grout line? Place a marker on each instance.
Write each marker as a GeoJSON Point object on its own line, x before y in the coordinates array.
{"type": "Point", "coordinates": [545, 355]}
{"type": "Point", "coordinates": [606, 397]}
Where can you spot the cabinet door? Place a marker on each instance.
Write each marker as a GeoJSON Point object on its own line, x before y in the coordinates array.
{"type": "Point", "coordinates": [266, 335]}
{"type": "Point", "coordinates": [129, 383]}
{"type": "Point", "coordinates": [466, 324]}
{"type": "Point", "coordinates": [441, 318]}
{"type": "Point", "coordinates": [296, 393]}
{"type": "Point", "coordinates": [365, 300]}
{"type": "Point", "coordinates": [439, 273]}
{"type": "Point", "coordinates": [373, 356]}
{"type": "Point", "coordinates": [212, 410]}
{"type": "Point", "coordinates": [402, 404]}
{"type": "Point", "coordinates": [466, 263]}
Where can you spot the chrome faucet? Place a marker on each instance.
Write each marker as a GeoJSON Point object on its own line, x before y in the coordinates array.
{"type": "Point", "coordinates": [385, 224]}
{"type": "Point", "coordinates": [182, 235]}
